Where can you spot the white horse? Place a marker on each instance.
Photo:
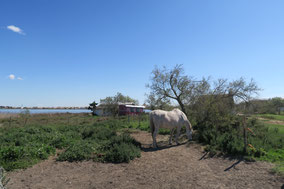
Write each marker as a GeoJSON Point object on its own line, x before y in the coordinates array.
{"type": "Point", "coordinates": [170, 120]}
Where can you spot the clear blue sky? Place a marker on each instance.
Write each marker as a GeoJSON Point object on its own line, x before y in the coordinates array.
{"type": "Point", "coordinates": [69, 53]}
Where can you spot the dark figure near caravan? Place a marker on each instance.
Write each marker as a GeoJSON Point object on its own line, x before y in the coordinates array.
{"type": "Point", "coordinates": [174, 119]}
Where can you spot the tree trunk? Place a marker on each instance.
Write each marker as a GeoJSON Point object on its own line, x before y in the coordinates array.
{"type": "Point", "coordinates": [182, 106]}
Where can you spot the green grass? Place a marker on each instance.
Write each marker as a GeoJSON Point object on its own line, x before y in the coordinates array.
{"type": "Point", "coordinates": [271, 116]}
{"type": "Point", "coordinates": [274, 154]}
{"type": "Point", "coordinates": [27, 139]}
{"type": "Point", "coordinates": [80, 136]}
{"type": "Point", "coordinates": [278, 127]}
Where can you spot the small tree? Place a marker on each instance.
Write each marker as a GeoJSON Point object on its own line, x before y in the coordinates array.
{"type": "Point", "coordinates": [93, 107]}
{"type": "Point", "coordinates": [186, 91]}
{"type": "Point", "coordinates": [111, 104]}
{"type": "Point", "coordinates": [210, 105]}
{"type": "Point", "coordinates": [175, 85]}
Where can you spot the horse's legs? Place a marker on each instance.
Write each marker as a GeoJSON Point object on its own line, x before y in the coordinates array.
{"type": "Point", "coordinates": [171, 137]}
{"type": "Point", "coordinates": [177, 135]}
{"type": "Point", "coordinates": [154, 138]}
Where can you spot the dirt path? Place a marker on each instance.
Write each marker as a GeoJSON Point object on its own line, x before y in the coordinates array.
{"type": "Point", "coordinates": [277, 122]}
{"type": "Point", "coordinates": [180, 166]}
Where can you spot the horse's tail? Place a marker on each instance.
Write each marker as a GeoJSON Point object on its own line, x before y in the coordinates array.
{"type": "Point", "coordinates": [189, 124]}
{"type": "Point", "coordinates": [188, 128]}
{"type": "Point", "coordinates": [151, 123]}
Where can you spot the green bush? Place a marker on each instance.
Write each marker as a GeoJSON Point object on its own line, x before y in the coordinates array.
{"type": "Point", "coordinates": [15, 157]}
{"type": "Point", "coordinates": [11, 153]}
{"type": "Point", "coordinates": [77, 152]}
{"type": "Point", "coordinates": [225, 134]}
{"type": "Point", "coordinates": [23, 146]}
{"type": "Point", "coordinates": [98, 133]}
{"type": "Point", "coordinates": [122, 148]}
{"type": "Point", "coordinates": [124, 138]}
{"type": "Point", "coordinates": [123, 152]}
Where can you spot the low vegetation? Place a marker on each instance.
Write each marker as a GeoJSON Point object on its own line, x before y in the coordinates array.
{"type": "Point", "coordinates": [28, 139]}
{"type": "Point", "coordinates": [78, 137]}
{"type": "Point", "coordinates": [223, 131]}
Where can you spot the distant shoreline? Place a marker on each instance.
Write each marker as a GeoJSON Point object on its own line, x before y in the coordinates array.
{"type": "Point", "coordinates": [43, 108]}
{"type": "Point", "coordinates": [43, 111]}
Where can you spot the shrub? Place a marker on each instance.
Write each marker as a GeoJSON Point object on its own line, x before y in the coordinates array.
{"type": "Point", "coordinates": [59, 141]}
{"type": "Point", "coordinates": [122, 148]}
{"type": "Point", "coordinates": [11, 153]}
{"type": "Point", "coordinates": [23, 146]}
{"type": "Point", "coordinates": [123, 152]}
{"type": "Point", "coordinates": [101, 133]}
{"type": "Point", "coordinates": [77, 152]}
{"type": "Point", "coordinates": [15, 157]}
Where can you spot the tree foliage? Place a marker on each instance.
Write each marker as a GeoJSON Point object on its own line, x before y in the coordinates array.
{"type": "Point", "coordinates": [110, 104]}
{"type": "Point", "coordinates": [154, 102]}
{"type": "Point", "coordinates": [173, 84]}
{"type": "Point", "coordinates": [186, 91]}
{"type": "Point", "coordinates": [265, 106]}
{"type": "Point", "coordinates": [209, 104]}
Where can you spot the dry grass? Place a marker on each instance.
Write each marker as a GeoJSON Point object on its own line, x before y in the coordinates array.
{"type": "Point", "coordinates": [4, 116]}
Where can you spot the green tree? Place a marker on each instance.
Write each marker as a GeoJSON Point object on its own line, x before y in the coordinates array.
{"type": "Point", "coordinates": [153, 102]}
{"type": "Point", "coordinates": [111, 103]}
{"type": "Point", "coordinates": [93, 106]}
{"type": "Point", "coordinates": [277, 103]}
{"type": "Point", "coordinates": [175, 85]}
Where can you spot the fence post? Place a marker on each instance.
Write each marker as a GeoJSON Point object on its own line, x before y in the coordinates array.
{"type": "Point", "coordinates": [245, 135]}
{"type": "Point", "coordinates": [26, 120]}
{"type": "Point", "coordinates": [10, 120]}
{"type": "Point", "coordinates": [139, 117]}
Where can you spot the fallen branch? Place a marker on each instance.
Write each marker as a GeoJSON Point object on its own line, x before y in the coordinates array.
{"type": "Point", "coordinates": [3, 180]}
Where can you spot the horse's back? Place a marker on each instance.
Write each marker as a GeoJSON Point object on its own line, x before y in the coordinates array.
{"type": "Point", "coordinates": [167, 119]}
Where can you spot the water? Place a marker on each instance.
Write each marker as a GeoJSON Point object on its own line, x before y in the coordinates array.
{"type": "Point", "coordinates": [43, 111]}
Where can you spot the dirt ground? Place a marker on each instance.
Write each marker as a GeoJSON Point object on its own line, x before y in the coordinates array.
{"type": "Point", "coordinates": [277, 122]}
{"type": "Point", "coordinates": [182, 166]}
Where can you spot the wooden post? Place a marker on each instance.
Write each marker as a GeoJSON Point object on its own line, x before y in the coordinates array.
{"type": "Point", "coordinates": [139, 119]}
{"type": "Point", "coordinates": [26, 120]}
{"type": "Point", "coordinates": [47, 119]}
{"type": "Point", "coordinates": [245, 135]}
{"type": "Point", "coordinates": [10, 120]}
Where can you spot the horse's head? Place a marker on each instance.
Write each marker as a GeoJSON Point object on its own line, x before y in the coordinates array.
{"type": "Point", "coordinates": [189, 131]}
{"type": "Point", "coordinates": [189, 136]}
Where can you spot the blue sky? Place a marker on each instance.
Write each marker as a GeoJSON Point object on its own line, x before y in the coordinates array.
{"type": "Point", "coordinates": [69, 53]}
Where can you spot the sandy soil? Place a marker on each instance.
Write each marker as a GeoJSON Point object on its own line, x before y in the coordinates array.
{"type": "Point", "coordinates": [183, 166]}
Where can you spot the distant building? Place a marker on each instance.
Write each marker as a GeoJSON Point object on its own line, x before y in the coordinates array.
{"type": "Point", "coordinates": [100, 111]}
{"type": "Point", "coordinates": [130, 109]}
{"type": "Point", "coordinates": [123, 109]}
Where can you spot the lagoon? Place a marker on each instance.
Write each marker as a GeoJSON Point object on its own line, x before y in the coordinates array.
{"type": "Point", "coordinates": [43, 111]}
